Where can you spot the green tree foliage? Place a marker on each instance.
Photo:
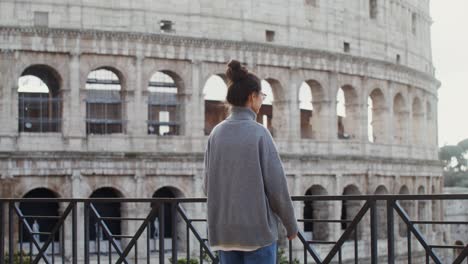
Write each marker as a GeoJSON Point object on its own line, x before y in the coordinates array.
{"type": "Point", "coordinates": [455, 158]}
{"type": "Point", "coordinates": [17, 258]}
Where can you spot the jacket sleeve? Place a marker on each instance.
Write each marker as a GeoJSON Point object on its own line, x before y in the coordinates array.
{"type": "Point", "coordinates": [276, 187]}
{"type": "Point", "coordinates": [206, 169]}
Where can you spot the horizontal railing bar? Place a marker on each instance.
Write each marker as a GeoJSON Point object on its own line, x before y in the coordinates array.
{"type": "Point", "coordinates": [121, 218]}
{"type": "Point", "coordinates": [447, 246]}
{"type": "Point", "coordinates": [41, 217]}
{"type": "Point", "coordinates": [442, 222]}
{"type": "Point", "coordinates": [105, 200]}
{"type": "Point", "coordinates": [381, 197]}
{"type": "Point", "coordinates": [321, 242]}
{"type": "Point", "coordinates": [323, 221]}
{"type": "Point", "coordinates": [41, 233]}
{"type": "Point", "coordinates": [197, 220]}
{"type": "Point", "coordinates": [294, 198]}
{"type": "Point", "coordinates": [122, 236]}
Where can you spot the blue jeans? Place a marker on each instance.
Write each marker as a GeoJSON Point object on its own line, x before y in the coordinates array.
{"type": "Point", "coordinates": [264, 255]}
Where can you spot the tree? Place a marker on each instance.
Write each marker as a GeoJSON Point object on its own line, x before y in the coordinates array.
{"type": "Point", "coordinates": [455, 157]}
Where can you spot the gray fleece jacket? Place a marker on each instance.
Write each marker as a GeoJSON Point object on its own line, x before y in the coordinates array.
{"type": "Point", "coordinates": [245, 184]}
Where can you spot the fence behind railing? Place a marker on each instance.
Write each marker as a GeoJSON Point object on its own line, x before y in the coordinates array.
{"type": "Point", "coordinates": [160, 230]}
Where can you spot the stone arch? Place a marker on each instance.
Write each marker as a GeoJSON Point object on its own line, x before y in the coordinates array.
{"type": "Point", "coordinates": [417, 121]}
{"type": "Point", "coordinates": [400, 119]}
{"type": "Point", "coordinates": [381, 212]}
{"type": "Point", "coordinates": [376, 116]}
{"type": "Point", "coordinates": [347, 112]}
{"type": "Point", "coordinates": [407, 206]}
{"type": "Point", "coordinates": [316, 210]}
{"type": "Point", "coordinates": [105, 108]}
{"type": "Point", "coordinates": [44, 225]}
{"type": "Point", "coordinates": [105, 209]}
{"type": "Point", "coordinates": [214, 94]}
{"type": "Point", "coordinates": [349, 208]}
{"type": "Point", "coordinates": [311, 96]}
{"type": "Point", "coordinates": [39, 99]}
{"type": "Point", "coordinates": [164, 106]}
{"type": "Point", "coordinates": [165, 192]}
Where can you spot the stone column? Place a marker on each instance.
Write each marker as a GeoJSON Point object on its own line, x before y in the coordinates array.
{"type": "Point", "coordinates": [295, 112]}
{"type": "Point", "coordinates": [74, 116]}
{"type": "Point", "coordinates": [281, 122]}
{"type": "Point", "coordinates": [195, 104]}
{"type": "Point", "coordinates": [335, 210]}
{"type": "Point", "coordinates": [9, 99]}
{"type": "Point", "coordinates": [321, 117]}
{"type": "Point", "coordinates": [137, 125]}
{"type": "Point", "coordinates": [361, 130]}
{"type": "Point", "coordinates": [76, 183]}
{"type": "Point", "coordinates": [329, 114]}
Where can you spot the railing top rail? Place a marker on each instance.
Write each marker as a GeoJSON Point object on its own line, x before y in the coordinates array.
{"type": "Point", "coordinates": [400, 197]}
{"type": "Point", "coordinates": [382, 197]}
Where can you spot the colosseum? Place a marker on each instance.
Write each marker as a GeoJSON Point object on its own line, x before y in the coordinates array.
{"type": "Point", "coordinates": [117, 98]}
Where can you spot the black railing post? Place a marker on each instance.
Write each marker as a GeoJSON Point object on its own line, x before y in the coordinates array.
{"type": "Point", "coordinates": [161, 233]}
{"type": "Point", "coordinates": [408, 238]}
{"type": "Point", "coordinates": [86, 233]}
{"type": "Point", "coordinates": [390, 232]}
{"type": "Point", "coordinates": [174, 231]}
{"type": "Point", "coordinates": [75, 233]}
{"type": "Point", "coordinates": [188, 243]}
{"type": "Point", "coordinates": [2, 232]}
{"type": "Point", "coordinates": [373, 231]}
{"type": "Point", "coordinates": [11, 231]}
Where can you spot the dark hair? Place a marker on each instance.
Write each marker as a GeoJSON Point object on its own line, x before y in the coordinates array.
{"type": "Point", "coordinates": [241, 84]}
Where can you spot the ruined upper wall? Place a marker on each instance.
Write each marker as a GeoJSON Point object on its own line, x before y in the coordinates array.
{"type": "Point", "coordinates": [313, 24]}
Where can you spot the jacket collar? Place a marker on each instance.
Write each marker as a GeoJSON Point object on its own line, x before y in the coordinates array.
{"type": "Point", "coordinates": [242, 113]}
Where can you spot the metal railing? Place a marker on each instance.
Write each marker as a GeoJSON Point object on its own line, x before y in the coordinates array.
{"type": "Point", "coordinates": [83, 232]}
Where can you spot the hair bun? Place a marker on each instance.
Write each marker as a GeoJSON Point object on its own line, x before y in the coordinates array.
{"type": "Point", "coordinates": [236, 71]}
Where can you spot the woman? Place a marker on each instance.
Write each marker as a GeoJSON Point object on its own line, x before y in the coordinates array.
{"type": "Point", "coordinates": [244, 179]}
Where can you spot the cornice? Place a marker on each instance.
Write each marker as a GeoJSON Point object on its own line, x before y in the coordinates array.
{"type": "Point", "coordinates": [165, 39]}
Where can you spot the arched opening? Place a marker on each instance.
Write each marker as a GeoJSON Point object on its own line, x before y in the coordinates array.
{"type": "Point", "coordinates": [422, 209]}
{"type": "Point", "coordinates": [215, 91]}
{"type": "Point", "coordinates": [47, 209]}
{"type": "Point", "coordinates": [400, 119]}
{"type": "Point", "coordinates": [347, 112]}
{"type": "Point", "coordinates": [104, 209]}
{"type": "Point", "coordinates": [265, 115]}
{"type": "Point", "coordinates": [310, 99]}
{"type": "Point", "coordinates": [381, 213]}
{"type": "Point", "coordinates": [163, 105]}
{"type": "Point", "coordinates": [376, 116]}
{"type": "Point", "coordinates": [350, 208]}
{"type": "Point", "coordinates": [406, 205]}
{"type": "Point", "coordinates": [104, 103]}
{"type": "Point", "coordinates": [39, 100]}
{"type": "Point", "coordinates": [164, 192]}
{"type": "Point", "coordinates": [418, 119]}
{"type": "Point", "coordinates": [316, 210]}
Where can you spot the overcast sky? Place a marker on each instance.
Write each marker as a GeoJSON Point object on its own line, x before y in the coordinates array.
{"type": "Point", "coordinates": [450, 53]}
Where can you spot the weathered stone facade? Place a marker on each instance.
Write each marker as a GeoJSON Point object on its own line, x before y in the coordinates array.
{"type": "Point", "coordinates": [388, 58]}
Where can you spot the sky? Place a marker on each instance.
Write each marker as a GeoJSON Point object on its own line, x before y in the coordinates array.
{"type": "Point", "coordinates": [450, 57]}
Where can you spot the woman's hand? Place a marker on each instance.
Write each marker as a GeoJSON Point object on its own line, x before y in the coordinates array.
{"type": "Point", "coordinates": [291, 237]}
